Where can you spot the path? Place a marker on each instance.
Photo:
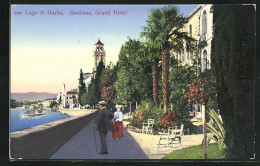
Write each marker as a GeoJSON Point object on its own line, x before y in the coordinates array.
{"type": "Point", "coordinates": [82, 146]}
{"type": "Point", "coordinates": [132, 146]}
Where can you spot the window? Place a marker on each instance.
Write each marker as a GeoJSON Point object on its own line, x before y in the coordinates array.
{"type": "Point", "coordinates": [204, 61]}
{"type": "Point", "coordinates": [211, 9]}
{"type": "Point", "coordinates": [190, 30]}
{"type": "Point", "coordinates": [189, 55]}
{"type": "Point", "coordinates": [204, 25]}
{"type": "Point", "coordinates": [182, 57]}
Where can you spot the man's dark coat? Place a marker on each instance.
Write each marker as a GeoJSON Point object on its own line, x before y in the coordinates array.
{"type": "Point", "coordinates": [103, 120]}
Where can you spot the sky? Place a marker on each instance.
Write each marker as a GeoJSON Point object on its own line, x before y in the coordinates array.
{"type": "Point", "coordinates": [50, 44]}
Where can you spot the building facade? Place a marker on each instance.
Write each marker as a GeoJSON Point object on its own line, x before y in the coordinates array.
{"type": "Point", "coordinates": [87, 77]}
{"type": "Point", "coordinates": [69, 99]}
{"type": "Point", "coordinates": [200, 27]}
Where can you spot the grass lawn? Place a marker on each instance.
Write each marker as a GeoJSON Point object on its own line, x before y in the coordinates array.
{"type": "Point", "coordinates": [196, 152]}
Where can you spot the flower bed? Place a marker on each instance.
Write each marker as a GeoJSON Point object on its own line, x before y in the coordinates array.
{"type": "Point", "coordinates": [135, 129]}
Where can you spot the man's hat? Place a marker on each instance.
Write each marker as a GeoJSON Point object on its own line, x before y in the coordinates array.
{"type": "Point", "coordinates": [102, 103]}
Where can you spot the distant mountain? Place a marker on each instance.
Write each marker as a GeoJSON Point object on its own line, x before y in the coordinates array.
{"type": "Point", "coordinates": [30, 96]}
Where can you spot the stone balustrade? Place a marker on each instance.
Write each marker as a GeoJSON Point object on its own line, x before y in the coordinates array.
{"type": "Point", "coordinates": [40, 142]}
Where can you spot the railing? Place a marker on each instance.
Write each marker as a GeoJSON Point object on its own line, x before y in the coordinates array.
{"type": "Point", "coordinates": [40, 142]}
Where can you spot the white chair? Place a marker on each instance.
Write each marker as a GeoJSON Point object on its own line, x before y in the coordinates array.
{"type": "Point", "coordinates": [167, 139]}
{"type": "Point", "coordinates": [148, 127]}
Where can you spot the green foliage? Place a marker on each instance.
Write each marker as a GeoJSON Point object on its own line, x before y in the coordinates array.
{"type": "Point", "coordinates": [97, 80]}
{"type": "Point", "coordinates": [84, 99]}
{"type": "Point", "coordinates": [59, 102]}
{"type": "Point", "coordinates": [82, 87]}
{"type": "Point", "coordinates": [164, 32]}
{"type": "Point", "coordinates": [218, 131]}
{"type": "Point", "coordinates": [91, 93]}
{"type": "Point", "coordinates": [134, 74]}
{"type": "Point", "coordinates": [180, 78]}
{"type": "Point", "coordinates": [14, 103]}
{"type": "Point", "coordinates": [107, 87]}
{"type": "Point", "coordinates": [139, 117]}
{"type": "Point", "coordinates": [233, 50]}
{"type": "Point", "coordinates": [53, 104]}
{"type": "Point", "coordinates": [189, 128]}
{"type": "Point", "coordinates": [156, 113]}
{"type": "Point", "coordinates": [196, 152]}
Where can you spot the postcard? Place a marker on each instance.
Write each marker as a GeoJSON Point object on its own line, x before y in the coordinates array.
{"type": "Point", "coordinates": [91, 82]}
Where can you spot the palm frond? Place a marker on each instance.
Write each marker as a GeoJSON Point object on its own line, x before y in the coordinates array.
{"type": "Point", "coordinates": [217, 120]}
{"type": "Point", "coordinates": [213, 130]}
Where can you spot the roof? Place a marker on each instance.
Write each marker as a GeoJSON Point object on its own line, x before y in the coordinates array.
{"type": "Point", "coordinates": [99, 42]}
{"type": "Point", "coordinates": [193, 12]}
{"type": "Point", "coordinates": [89, 73]}
{"type": "Point", "coordinates": [70, 92]}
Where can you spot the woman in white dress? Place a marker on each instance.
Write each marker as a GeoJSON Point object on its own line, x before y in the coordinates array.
{"type": "Point", "coordinates": [117, 131]}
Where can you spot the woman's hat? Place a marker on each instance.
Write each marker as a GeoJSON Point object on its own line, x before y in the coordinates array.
{"type": "Point", "coordinates": [118, 106]}
{"type": "Point", "coordinates": [102, 103]}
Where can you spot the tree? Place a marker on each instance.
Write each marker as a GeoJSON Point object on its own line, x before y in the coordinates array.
{"type": "Point", "coordinates": [134, 74]}
{"type": "Point", "coordinates": [59, 102]}
{"type": "Point", "coordinates": [180, 78]}
{"type": "Point", "coordinates": [107, 87]}
{"type": "Point", "coordinates": [12, 103]}
{"type": "Point", "coordinates": [166, 24]}
{"type": "Point", "coordinates": [91, 93]}
{"type": "Point", "coordinates": [97, 81]}
{"type": "Point", "coordinates": [53, 104]}
{"type": "Point", "coordinates": [233, 51]}
{"type": "Point", "coordinates": [84, 98]}
{"type": "Point", "coordinates": [200, 91]}
{"type": "Point", "coordinates": [82, 87]}
{"type": "Point", "coordinates": [154, 54]}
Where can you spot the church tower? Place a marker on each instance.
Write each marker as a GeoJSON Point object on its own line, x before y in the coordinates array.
{"type": "Point", "coordinates": [99, 54]}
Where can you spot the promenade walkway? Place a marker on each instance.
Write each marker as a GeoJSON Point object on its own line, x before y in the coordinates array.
{"type": "Point", "coordinates": [132, 146]}
{"type": "Point", "coordinates": [82, 146]}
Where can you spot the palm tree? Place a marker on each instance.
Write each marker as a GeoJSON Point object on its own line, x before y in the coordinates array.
{"type": "Point", "coordinates": [164, 32]}
{"type": "Point", "coordinates": [150, 33]}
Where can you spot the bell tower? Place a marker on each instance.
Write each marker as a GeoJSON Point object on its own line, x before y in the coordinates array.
{"type": "Point", "coordinates": [99, 54]}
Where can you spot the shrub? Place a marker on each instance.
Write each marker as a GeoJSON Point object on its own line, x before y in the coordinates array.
{"type": "Point", "coordinates": [189, 128]}
{"type": "Point", "coordinates": [155, 113]}
{"type": "Point", "coordinates": [147, 110]}
{"type": "Point", "coordinates": [169, 120]}
{"type": "Point", "coordinates": [139, 117]}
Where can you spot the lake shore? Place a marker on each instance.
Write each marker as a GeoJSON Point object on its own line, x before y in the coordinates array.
{"type": "Point", "coordinates": [76, 112]}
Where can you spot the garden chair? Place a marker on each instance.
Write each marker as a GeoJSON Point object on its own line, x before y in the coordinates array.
{"type": "Point", "coordinates": [148, 127]}
{"type": "Point", "coordinates": [168, 138]}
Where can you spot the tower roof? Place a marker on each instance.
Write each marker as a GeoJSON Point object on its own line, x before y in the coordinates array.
{"type": "Point", "coordinates": [99, 42]}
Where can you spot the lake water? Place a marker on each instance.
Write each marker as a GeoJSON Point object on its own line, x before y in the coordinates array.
{"type": "Point", "coordinates": [19, 123]}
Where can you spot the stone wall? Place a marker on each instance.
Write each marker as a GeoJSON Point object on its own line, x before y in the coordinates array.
{"type": "Point", "coordinates": [40, 142]}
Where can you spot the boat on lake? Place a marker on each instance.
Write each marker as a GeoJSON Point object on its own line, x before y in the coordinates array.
{"type": "Point", "coordinates": [33, 113]}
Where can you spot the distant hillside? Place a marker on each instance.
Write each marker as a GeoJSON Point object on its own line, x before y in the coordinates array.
{"type": "Point", "coordinates": [30, 96]}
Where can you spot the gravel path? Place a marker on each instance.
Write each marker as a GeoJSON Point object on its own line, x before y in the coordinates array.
{"type": "Point", "coordinates": [148, 143]}
{"type": "Point", "coordinates": [132, 146]}
{"type": "Point", "coordinates": [82, 146]}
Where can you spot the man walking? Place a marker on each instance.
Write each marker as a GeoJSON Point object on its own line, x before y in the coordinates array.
{"type": "Point", "coordinates": [104, 124]}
